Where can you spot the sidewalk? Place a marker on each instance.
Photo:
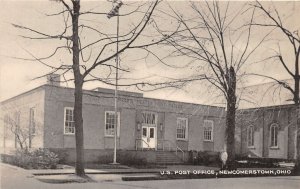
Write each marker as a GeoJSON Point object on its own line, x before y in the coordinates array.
{"type": "Point", "coordinates": [15, 177]}
{"type": "Point", "coordinates": [128, 170]}
{"type": "Point", "coordinates": [103, 175]}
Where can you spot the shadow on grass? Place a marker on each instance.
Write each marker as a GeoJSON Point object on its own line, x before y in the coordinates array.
{"type": "Point", "coordinates": [64, 179]}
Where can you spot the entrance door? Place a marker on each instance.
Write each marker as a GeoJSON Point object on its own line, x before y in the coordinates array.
{"type": "Point", "coordinates": [149, 137]}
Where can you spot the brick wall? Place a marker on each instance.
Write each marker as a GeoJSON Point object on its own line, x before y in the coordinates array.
{"type": "Point", "coordinates": [262, 119]}
{"type": "Point", "coordinates": [21, 105]}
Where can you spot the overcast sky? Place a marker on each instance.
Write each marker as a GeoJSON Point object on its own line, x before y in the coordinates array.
{"type": "Point", "coordinates": [16, 75]}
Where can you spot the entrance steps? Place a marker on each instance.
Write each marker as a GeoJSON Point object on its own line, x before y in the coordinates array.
{"type": "Point", "coordinates": [167, 157]}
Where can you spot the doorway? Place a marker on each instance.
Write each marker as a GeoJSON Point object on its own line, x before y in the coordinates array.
{"type": "Point", "coordinates": [149, 137]}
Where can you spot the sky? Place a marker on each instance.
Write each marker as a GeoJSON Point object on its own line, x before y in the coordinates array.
{"type": "Point", "coordinates": [17, 76]}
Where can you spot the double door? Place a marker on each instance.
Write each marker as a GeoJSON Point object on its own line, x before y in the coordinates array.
{"type": "Point", "coordinates": [148, 137]}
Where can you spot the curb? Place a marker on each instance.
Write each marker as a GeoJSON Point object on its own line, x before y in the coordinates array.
{"type": "Point", "coordinates": [94, 173]}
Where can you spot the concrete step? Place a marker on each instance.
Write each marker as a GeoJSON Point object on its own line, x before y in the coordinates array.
{"type": "Point", "coordinates": [165, 157]}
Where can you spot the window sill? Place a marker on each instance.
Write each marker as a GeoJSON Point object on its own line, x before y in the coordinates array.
{"type": "Point", "coordinates": [208, 141]}
{"type": "Point", "coordinates": [251, 147]}
{"type": "Point", "coordinates": [274, 148]}
{"type": "Point", "coordinates": [69, 134]}
{"type": "Point", "coordinates": [111, 136]}
{"type": "Point", "coordinates": [182, 139]}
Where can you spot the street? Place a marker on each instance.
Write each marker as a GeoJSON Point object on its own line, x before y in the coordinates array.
{"type": "Point", "coordinates": [13, 177]}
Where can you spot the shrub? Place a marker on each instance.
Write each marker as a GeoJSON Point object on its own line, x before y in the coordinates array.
{"type": "Point", "coordinates": [104, 159]}
{"type": "Point", "coordinates": [36, 159]}
{"type": "Point", "coordinates": [130, 159]}
{"type": "Point", "coordinates": [208, 158]}
{"type": "Point", "coordinates": [193, 157]}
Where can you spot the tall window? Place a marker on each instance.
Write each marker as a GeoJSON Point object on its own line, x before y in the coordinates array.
{"type": "Point", "coordinates": [208, 130]}
{"type": "Point", "coordinates": [274, 135]}
{"type": "Point", "coordinates": [17, 130]}
{"type": "Point", "coordinates": [182, 128]}
{"type": "Point", "coordinates": [32, 121]}
{"type": "Point", "coordinates": [69, 121]}
{"type": "Point", "coordinates": [6, 126]}
{"type": "Point", "coordinates": [110, 123]}
{"type": "Point", "coordinates": [250, 136]}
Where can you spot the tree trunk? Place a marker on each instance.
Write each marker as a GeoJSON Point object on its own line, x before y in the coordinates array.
{"type": "Point", "coordinates": [297, 109]}
{"type": "Point", "coordinates": [230, 117]}
{"type": "Point", "coordinates": [79, 166]}
{"type": "Point", "coordinates": [79, 129]}
{"type": "Point", "coordinates": [297, 165]}
{"type": "Point", "coordinates": [297, 103]}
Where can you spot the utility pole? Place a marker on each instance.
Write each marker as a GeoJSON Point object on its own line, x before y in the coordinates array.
{"type": "Point", "coordinates": [115, 12]}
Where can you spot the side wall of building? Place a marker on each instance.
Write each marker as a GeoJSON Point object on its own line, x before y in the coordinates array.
{"type": "Point", "coordinates": [94, 123]}
{"type": "Point", "coordinates": [130, 108]}
{"type": "Point", "coordinates": [23, 117]}
{"type": "Point", "coordinates": [262, 120]}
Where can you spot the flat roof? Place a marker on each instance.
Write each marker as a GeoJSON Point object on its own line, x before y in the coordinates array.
{"type": "Point", "coordinates": [106, 91]}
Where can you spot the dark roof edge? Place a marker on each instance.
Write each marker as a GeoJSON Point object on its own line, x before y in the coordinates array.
{"type": "Point", "coordinates": [269, 107]}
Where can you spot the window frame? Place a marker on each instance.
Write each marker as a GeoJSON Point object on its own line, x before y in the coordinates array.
{"type": "Point", "coordinates": [17, 127]}
{"type": "Point", "coordinates": [186, 128]}
{"type": "Point", "coordinates": [65, 113]}
{"type": "Point", "coordinates": [250, 128]}
{"type": "Point", "coordinates": [276, 129]}
{"type": "Point", "coordinates": [155, 118]}
{"type": "Point", "coordinates": [211, 130]}
{"type": "Point", "coordinates": [32, 121]}
{"type": "Point", "coordinates": [118, 124]}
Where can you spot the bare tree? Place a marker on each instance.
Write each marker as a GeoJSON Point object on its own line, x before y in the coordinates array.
{"type": "Point", "coordinates": [220, 48]}
{"type": "Point", "coordinates": [293, 38]}
{"type": "Point", "coordinates": [23, 133]}
{"type": "Point", "coordinates": [276, 21]}
{"type": "Point", "coordinates": [88, 65]}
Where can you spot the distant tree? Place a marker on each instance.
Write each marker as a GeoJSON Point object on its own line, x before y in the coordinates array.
{"type": "Point", "coordinates": [213, 39]}
{"type": "Point", "coordinates": [276, 21]}
{"type": "Point", "coordinates": [23, 133]}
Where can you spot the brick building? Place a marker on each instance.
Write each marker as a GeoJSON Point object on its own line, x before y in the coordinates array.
{"type": "Point", "coordinates": [147, 127]}
{"type": "Point", "coordinates": [267, 126]}
{"type": "Point", "coordinates": [267, 131]}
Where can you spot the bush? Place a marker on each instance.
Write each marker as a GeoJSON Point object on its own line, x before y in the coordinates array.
{"type": "Point", "coordinates": [105, 159]}
{"type": "Point", "coordinates": [36, 159]}
{"type": "Point", "coordinates": [206, 158]}
{"type": "Point", "coordinates": [130, 159]}
{"type": "Point", "coordinates": [124, 158]}
{"type": "Point", "coordinates": [193, 157]}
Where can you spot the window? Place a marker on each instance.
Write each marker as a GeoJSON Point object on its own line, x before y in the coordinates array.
{"type": "Point", "coordinates": [110, 123]}
{"type": "Point", "coordinates": [6, 126]}
{"type": "Point", "coordinates": [69, 121]}
{"type": "Point", "coordinates": [151, 134]}
{"type": "Point", "coordinates": [182, 128]}
{"type": "Point", "coordinates": [149, 118]}
{"type": "Point", "coordinates": [274, 135]}
{"type": "Point", "coordinates": [208, 130]}
{"type": "Point", "coordinates": [250, 136]}
{"type": "Point", "coordinates": [144, 132]}
{"type": "Point", "coordinates": [32, 121]}
{"type": "Point", "coordinates": [17, 130]}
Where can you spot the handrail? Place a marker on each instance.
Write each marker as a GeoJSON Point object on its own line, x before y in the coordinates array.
{"type": "Point", "coordinates": [163, 144]}
{"type": "Point", "coordinates": [177, 147]}
{"type": "Point", "coordinates": [171, 142]}
{"type": "Point", "coordinates": [141, 145]}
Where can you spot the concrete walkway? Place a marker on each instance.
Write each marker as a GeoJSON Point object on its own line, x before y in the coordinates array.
{"type": "Point", "coordinates": [13, 178]}
{"type": "Point", "coordinates": [128, 170]}
{"type": "Point", "coordinates": [67, 175]}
